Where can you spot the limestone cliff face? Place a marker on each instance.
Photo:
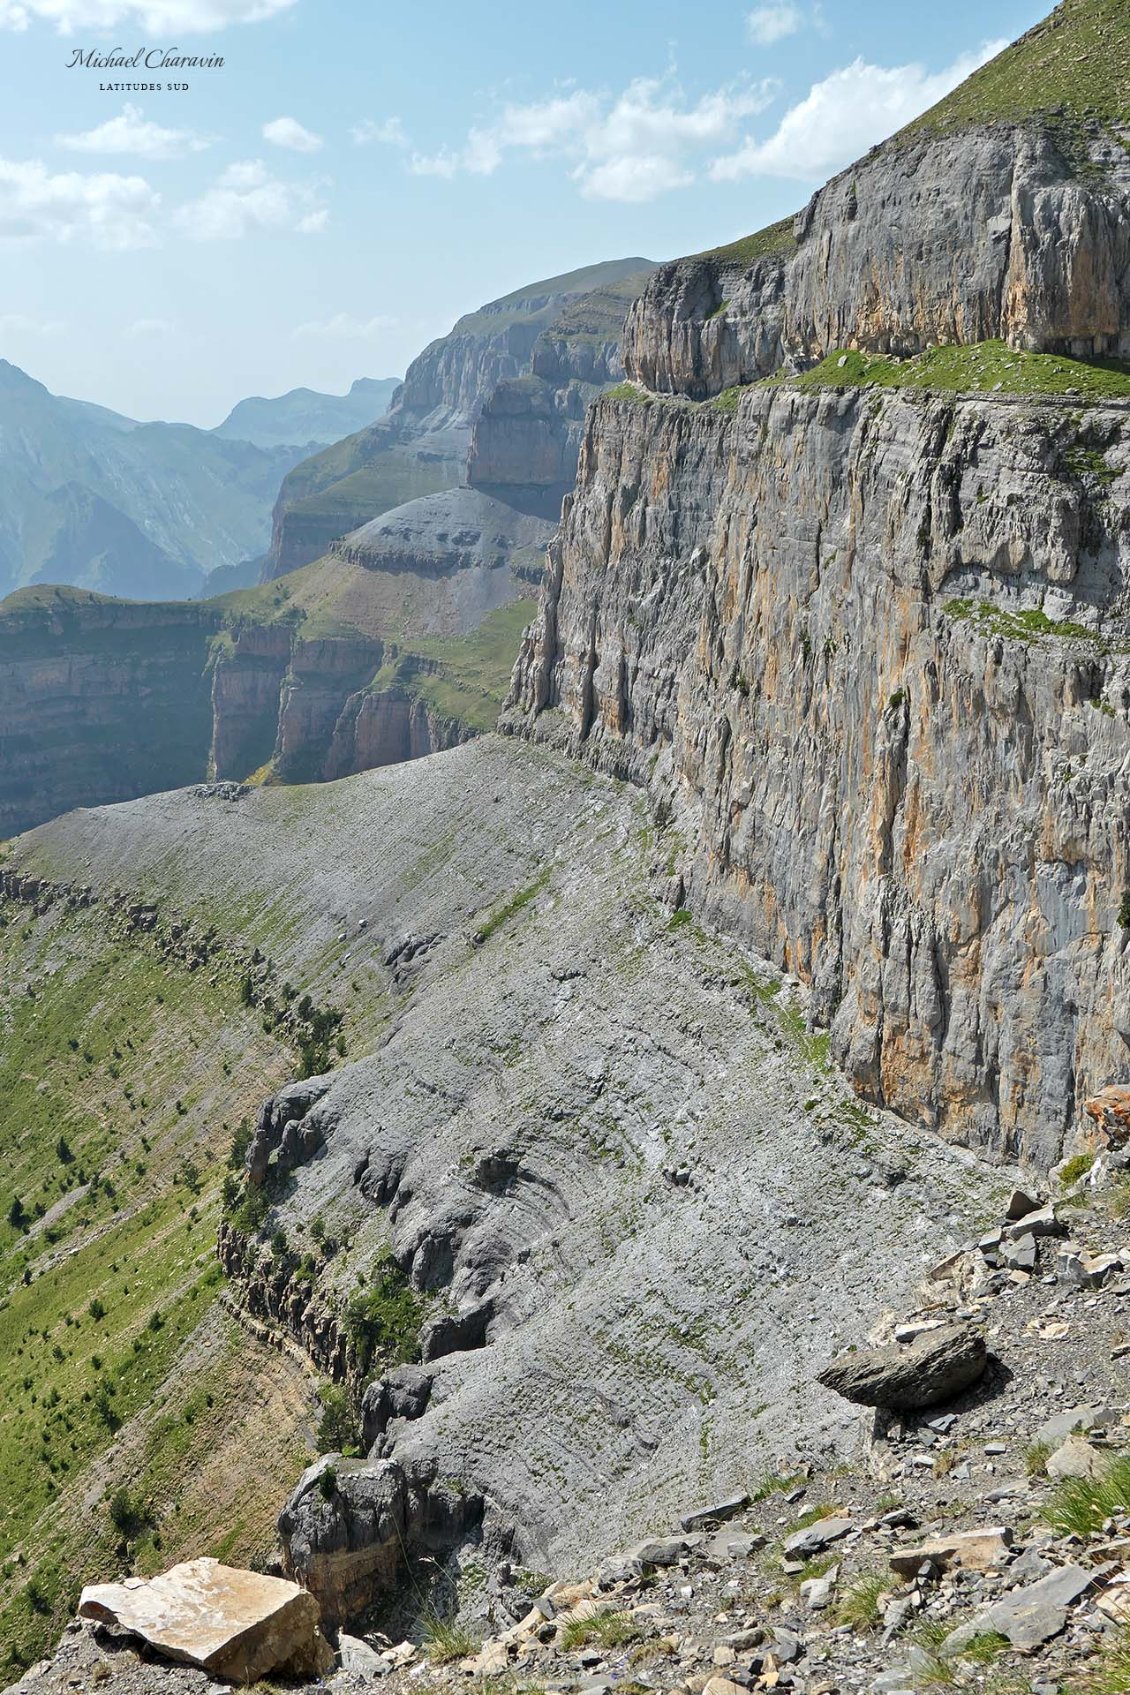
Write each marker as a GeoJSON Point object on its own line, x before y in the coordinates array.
{"type": "Point", "coordinates": [992, 232]}
{"type": "Point", "coordinates": [771, 615]}
{"type": "Point", "coordinates": [99, 701]}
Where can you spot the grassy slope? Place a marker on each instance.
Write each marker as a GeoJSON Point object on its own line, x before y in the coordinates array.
{"type": "Point", "coordinates": [774, 238]}
{"type": "Point", "coordinates": [115, 1065]}
{"type": "Point", "coordinates": [982, 368]}
{"type": "Point", "coordinates": [1076, 63]}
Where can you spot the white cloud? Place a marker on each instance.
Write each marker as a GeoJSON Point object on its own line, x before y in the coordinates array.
{"type": "Point", "coordinates": [390, 132]}
{"type": "Point", "coordinates": [185, 17]}
{"type": "Point", "coordinates": [766, 25]}
{"type": "Point", "coordinates": [289, 133]}
{"type": "Point", "coordinates": [633, 146]}
{"type": "Point", "coordinates": [130, 132]}
{"type": "Point", "coordinates": [342, 327]}
{"type": "Point", "coordinates": [150, 329]}
{"type": "Point", "coordinates": [246, 200]}
{"type": "Point", "coordinates": [20, 324]}
{"type": "Point", "coordinates": [845, 114]}
{"type": "Point", "coordinates": [108, 210]}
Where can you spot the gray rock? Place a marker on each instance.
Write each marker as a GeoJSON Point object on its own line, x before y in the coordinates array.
{"type": "Point", "coordinates": [814, 1538]}
{"type": "Point", "coordinates": [936, 1367]}
{"type": "Point", "coordinates": [703, 1517]}
{"type": "Point", "coordinates": [1030, 1616]}
{"type": "Point", "coordinates": [357, 1656]}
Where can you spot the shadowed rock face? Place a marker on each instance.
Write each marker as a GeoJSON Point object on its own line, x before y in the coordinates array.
{"type": "Point", "coordinates": [931, 1369]}
{"type": "Point", "coordinates": [909, 803]}
{"type": "Point", "coordinates": [989, 233]}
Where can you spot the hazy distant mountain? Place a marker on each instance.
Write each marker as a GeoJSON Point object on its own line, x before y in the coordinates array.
{"type": "Point", "coordinates": [99, 501]}
{"type": "Point", "coordinates": [305, 416]}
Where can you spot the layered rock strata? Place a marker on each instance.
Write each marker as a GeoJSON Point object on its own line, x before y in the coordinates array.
{"type": "Point", "coordinates": [873, 650]}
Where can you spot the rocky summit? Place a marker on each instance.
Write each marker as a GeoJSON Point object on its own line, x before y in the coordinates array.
{"type": "Point", "coordinates": [573, 1117]}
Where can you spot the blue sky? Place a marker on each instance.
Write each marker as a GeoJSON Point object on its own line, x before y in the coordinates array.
{"type": "Point", "coordinates": [356, 176]}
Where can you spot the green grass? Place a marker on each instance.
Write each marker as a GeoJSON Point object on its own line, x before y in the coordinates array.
{"type": "Point", "coordinates": [1033, 625]}
{"type": "Point", "coordinates": [604, 1630]}
{"type": "Point", "coordinates": [471, 674]}
{"type": "Point", "coordinates": [114, 1267]}
{"type": "Point", "coordinates": [860, 1606]}
{"type": "Point", "coordinates": [774, 238]}
{"type": "Point", "coordinates": [510, 908]}
{"type": "Point", "coordinates": [1080, 1504]}
{"type": "Point", "coordinates": [1109, 1674]}
{"type": "Point", "coordinates": [979, 368]}
{"type": "Point", "coordinates": [1073, 65]}
{"type": "Point", "coordinates": [1075, 1169]}
{"type": "Point", "coordinates": [383, 1322]}
{"type": "Point", "coordinates": [1036, 1458]}
{"type": "Point", "coordinates": [445, 1640]}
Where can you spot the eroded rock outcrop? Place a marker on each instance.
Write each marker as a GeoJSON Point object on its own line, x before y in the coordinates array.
{"type": "Point", "coordinates": [1015, 231]}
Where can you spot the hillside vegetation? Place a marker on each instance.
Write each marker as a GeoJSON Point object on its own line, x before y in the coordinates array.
{"type": "Point", "coordinates": [124, 1076]}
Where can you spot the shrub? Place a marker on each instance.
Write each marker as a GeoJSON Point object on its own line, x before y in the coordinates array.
{"type": "Point", "coordinates": [385, 1320]}
{"type": "Point", "coordinates": [1075, 1169]}
{"type": "Point", "coordinates": [337, 1427]}
{"type": "Point", "coordinates": [129, 1515]}
{"type": "Point", "coordinates": [97, 1310]}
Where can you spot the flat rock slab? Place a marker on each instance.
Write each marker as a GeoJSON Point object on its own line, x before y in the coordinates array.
{"type": "Point", "coordinates": [231, 1623]}
{"type": "Point", "coordinates": [976, 1550]}
{"type": "Point", "coordinates": [1029, 1617]}
{"type": "Point", "coordinates": [814, 1538]}
{"type": "Point", "coordinates": [934, 1367]}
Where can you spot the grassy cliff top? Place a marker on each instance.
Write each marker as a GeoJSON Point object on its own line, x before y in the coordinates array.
{"type": "Point", "coordinates": [1075, 63]}
{"type": "Point", "coordinates": [987, 367]}
{"type": "Point", "coordinates": [774, 238]}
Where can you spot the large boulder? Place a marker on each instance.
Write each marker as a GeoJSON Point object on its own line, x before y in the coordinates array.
{"type": "Point", "coordinates": [935, 1367]}
{"type": "Point", "coordinates": [232, 1624]}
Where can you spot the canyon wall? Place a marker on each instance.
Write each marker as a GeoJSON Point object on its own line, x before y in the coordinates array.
{"type": "Point", "coordinates": [872, 650]}
{"type": "Point", "coordinates": [1004, 231]}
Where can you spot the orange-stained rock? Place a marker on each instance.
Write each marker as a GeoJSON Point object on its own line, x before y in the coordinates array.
{"type": "Point", "coordinates": [1110, 1109]}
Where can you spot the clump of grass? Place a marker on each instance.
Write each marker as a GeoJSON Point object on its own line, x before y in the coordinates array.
{"type": "Point", "coordinates": [602, 1630]}
{"type": "Point", "coordinates": [445, 1640]}
{"type": "Point", "coordinates": [1080, 1504]}
{"type": "Point", "coordinates": [1110, 1673]}
{"type": "Point", "coordinates": [860, 1606]}
{"type": "Point", "coordinates": [813, 1515]}
{"type": "Point", "coordinates": [985, 1647]}
{"type": "Point", "coordinates": [1075, 1169]}
{"type": "Point", "coordinates": [1036, 1458]}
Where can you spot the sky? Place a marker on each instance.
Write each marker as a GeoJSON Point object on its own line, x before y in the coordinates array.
{"type": "Point", "coordinates": [354, 177]}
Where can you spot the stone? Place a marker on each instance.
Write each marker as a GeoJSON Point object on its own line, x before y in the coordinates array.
{"type": "Point", "coordinates": [1042, 1222]}
{"type": "Point", "coordinates": [726, 1545]}
{"type": "Point", "coordinates": [1109, 1109]}
{"type": "Point", "coordinates": [814, 1538]}
{"type": "Point", "coordinates": [1062, 1424]}
{"type": "Point", "coordinates": [816, 1592]}
{"type": "Point", "coordinates": [663, 1550]}
{"type": "Point", "coordinates": [229, 1623]}
{"type": "Point", "coordinates": [1019, 1253]}
{"type": "Point", "coordinates": [357, 1657]}
{"type": "Point", "coordinates": [703, 1518]}
{"type": "Point", "coordinates": [1021, 1204]}
{"type": "Point", "coordinates": [934, 1368]}
{"type": "Point", "coordinates": [1029, 1617]}
{"type": "Point", "coordinates": [973, 1550]}
{"type": "Point", "coordinates": [1076, 1457]}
